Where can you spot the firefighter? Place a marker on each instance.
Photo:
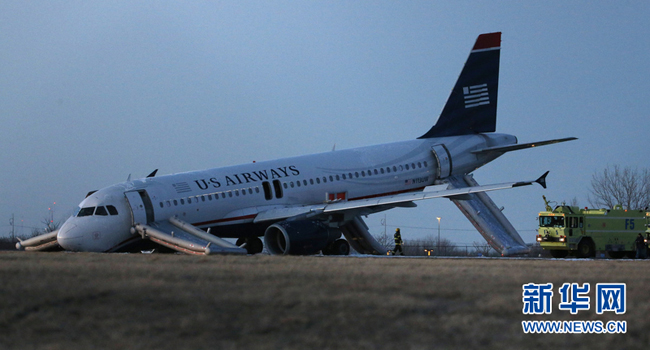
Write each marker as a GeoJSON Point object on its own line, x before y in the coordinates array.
{"type": "Point", "coordinates": [640, 247]}
{"type": "Point", "coordinates": [398, 243]}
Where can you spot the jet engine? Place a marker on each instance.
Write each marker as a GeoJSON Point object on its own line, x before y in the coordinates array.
{"type": "Point", "coordinates": [302, 237]}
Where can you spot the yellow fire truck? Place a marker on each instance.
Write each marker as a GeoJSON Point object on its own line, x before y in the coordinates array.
{"type": "Point", "coordinates": [582, 232]}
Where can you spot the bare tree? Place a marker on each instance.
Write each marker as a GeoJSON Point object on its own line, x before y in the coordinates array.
{"type": "Point", "coordinates": [385, 240]}
{"type": "Point", "coordinates": [482, 248]}
{"type": "Point", "coordinates": [629, 187]}
{"type": "Point", "coordinates": [50, 226]}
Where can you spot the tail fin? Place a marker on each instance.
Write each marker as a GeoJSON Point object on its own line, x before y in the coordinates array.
{"type": "Point", "coordinates": [472, 105]}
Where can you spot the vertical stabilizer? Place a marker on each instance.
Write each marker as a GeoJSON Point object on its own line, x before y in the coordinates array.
{"type": "Point", "coordinates": [472, 104]}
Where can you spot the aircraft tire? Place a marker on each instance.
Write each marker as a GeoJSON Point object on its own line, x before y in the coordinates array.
{"type": "Point", "coordinates": [341, 247]}
{"type": "Point", "coordinates": [254, 245]}
{"type": "Point", "coordinates": [338, 247]}
{"type": "Point", "coordinates": [559, 254]}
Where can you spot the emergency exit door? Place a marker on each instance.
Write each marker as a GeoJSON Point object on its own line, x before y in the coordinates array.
{"type": "Point", "coordinates": [141, 206]}
{"type": "Point", "coordinates": [443, 160]}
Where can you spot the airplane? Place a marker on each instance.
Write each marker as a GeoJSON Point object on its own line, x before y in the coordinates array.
{"type": "Point", "coordinates": [305, 205]}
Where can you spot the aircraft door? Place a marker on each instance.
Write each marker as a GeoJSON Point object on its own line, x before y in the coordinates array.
{"type": "Point", "coordinates": [141, 206]}
{"type": "Point", "coordinates": [443, 159]}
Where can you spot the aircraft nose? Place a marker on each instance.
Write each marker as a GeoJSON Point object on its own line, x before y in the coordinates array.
{"type": "Point", "coordinates": [70, 236]}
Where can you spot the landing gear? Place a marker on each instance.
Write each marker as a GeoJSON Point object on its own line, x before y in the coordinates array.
{"type": "Point", "coordinates": [253, 245]}
{"type": "Point", "coordinates": [339, 247]}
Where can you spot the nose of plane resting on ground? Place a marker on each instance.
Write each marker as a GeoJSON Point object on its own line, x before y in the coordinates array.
{"type": "Point", "coordinates": [70, 236]}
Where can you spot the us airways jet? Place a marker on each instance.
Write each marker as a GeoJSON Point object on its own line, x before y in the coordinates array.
{"type": "Point", "coordinates": [307, 204]}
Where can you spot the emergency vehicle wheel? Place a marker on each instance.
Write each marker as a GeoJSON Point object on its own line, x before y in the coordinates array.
{"type": "Point", "coordinates": [559, 254]}
{"type": "Point", "coordinates": [586, 249]}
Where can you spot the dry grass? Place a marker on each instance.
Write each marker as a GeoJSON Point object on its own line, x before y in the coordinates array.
{"type": "Point", "coordinates": [68, 300]}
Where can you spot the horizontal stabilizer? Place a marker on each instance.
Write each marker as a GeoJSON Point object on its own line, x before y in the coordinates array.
{"type": "Point", "coordinates": [504, 149]}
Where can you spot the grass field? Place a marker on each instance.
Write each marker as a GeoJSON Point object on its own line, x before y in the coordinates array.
{"type": "Point", "coordinates": [79, 300]}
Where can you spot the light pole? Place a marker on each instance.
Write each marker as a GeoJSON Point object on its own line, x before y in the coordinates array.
{"type": "Point", "coordinates": [438, 235]}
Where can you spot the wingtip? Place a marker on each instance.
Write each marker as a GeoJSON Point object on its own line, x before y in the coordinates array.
{"type": "Point", "coordinates": [542, 179]}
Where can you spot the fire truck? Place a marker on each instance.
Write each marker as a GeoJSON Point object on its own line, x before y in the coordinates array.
{"type": "Point", "coordinates": [569, 230]}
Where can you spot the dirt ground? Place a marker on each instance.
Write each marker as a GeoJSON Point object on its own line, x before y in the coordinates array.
{"type": "Point", "coordinates": [138, 301]}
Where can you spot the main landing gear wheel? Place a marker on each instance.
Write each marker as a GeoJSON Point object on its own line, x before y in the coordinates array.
{"type": "Point", "coordinates": [339, 247]}
{"type": "Point", "coordinates": [254, 245]}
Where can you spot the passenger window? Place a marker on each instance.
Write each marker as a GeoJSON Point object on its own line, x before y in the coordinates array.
{"type": "Point", "coordinates": [162, 205]}
{"type": "Point", "coordinates": [331, 178]}
{"type": "Point", "coordinates": [113, 211]}
{"type": "Point", "coordinates": [88, 211]}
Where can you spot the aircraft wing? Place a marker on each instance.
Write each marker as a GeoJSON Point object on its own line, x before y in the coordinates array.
{"type": "Point", "coordinates": [304, 212]}
{"type": "Point", "coordinates": [504, 149]}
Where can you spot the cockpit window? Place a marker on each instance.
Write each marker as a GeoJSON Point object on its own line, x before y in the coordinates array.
{"type": "Point", "coordinates": [111, 210]}
{"type": "Point", "coordinates": [101, 211]}
{"type": "Point", "coordinates": [88, 211]}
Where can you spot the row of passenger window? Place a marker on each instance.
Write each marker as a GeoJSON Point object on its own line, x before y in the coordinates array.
{"type": "Point", "coordinates": [356, 174]}
{"type": "Point", "coordinates": [101, 211]}
{"type": "Point", "coordinates": [210, 197]}
{"type": "Point", "coordinates": [305, 182]}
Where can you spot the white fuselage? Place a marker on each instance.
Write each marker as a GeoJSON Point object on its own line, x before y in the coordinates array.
{"type": "Point", "coordinates": [228, 199]}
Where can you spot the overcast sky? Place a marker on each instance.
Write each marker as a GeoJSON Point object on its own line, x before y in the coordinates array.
{"type": "Point", "coordinates": [91, 92]}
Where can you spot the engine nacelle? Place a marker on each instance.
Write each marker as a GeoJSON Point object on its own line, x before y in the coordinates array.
{"type": "Point", "coordinates": [302, 237]}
